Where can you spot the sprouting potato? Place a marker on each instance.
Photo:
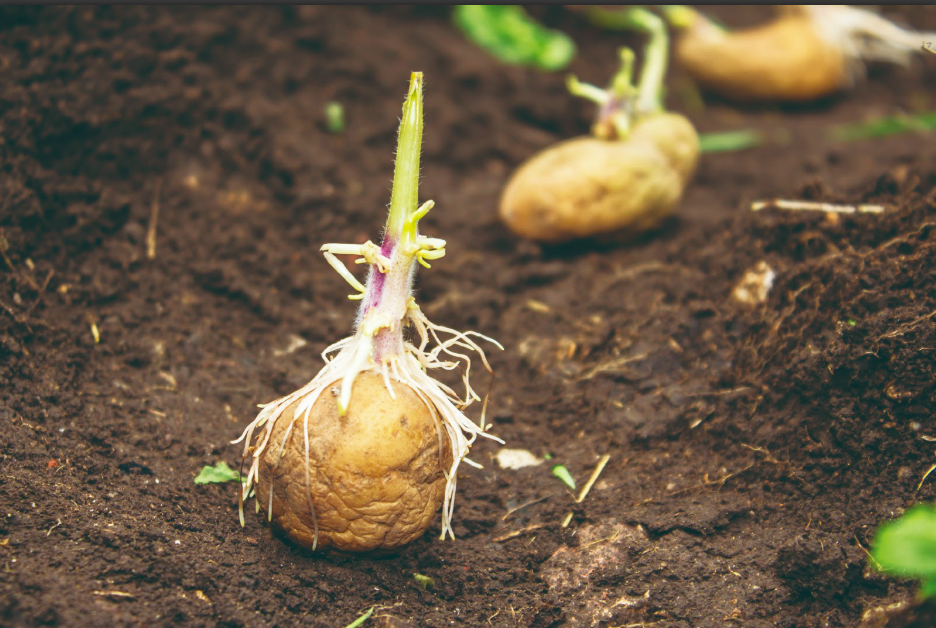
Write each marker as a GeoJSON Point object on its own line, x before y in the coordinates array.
{"type": "Point", "coordinates": [362, 457]}
{"type": "Point", "coordinates": [376, 474]}
{"type": "Point", "coordinates": [587, 186]}
{"type": "Point", "coordinates": [626, 178]}
{"type": "Point", "coordinates": [806, 53]}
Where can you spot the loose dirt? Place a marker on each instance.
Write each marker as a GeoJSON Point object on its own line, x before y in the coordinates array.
{"type": "Point", "coordinates": [166, 184]}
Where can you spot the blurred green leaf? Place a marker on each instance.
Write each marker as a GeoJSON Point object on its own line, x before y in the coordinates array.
{"type": "Point", "coordinates": [882, 127]}
{"type": "Point", "coordinates": [907, 546]}
{"type": "Point", "coordinates": [726, 141]}
{"type": "Point", "coordinates": [217, 474]}
{"type": "Point", "coordinates": [564, 476]}
{"type": "Point", "coordinates": [511, 35]}
{"type": "Point", "coordinates": [928, 589]}
{"type": "Point", "coordinates": [334, 117]}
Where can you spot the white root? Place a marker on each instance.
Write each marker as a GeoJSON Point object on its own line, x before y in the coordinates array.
{"type": "Point", "coordinates": [862, 35]}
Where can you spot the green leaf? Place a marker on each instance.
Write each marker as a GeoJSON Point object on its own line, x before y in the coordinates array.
{"type": "Point", "coordinates": [882, 127]}
{"type": "Point", "coordinates": [217, 474]}
{"type": "Point", "coordinates": [564, 476]}
{"type": "Point", "coordinates": [726, 141]}
{"type": "Point", "coordinates": [511, 35]}
{"type": "Point", "coordinates": [334, 117]}
{"type": "Point", "coordinates": [424, 581]}
{"type": "Point", "coordinates": [928, 589]}
{"type": "Point", "coordinates": [360, 620]}
{"type": "Point", "coordinates": [907, 546]}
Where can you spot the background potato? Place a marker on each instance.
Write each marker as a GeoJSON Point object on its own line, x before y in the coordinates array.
{"type": "Point", "coordinates": [786, 59]}
{"type": "Point", "coordinates": [585, 186]}
{"type": "Point", "coordinates": [376, 473]}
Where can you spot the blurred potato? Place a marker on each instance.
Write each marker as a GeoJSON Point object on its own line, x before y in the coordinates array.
{"type": "Point", "coordinates": [585, 187]}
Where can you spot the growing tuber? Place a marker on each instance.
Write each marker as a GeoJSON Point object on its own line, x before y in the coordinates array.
{"type": "Point", "coordinates": [805, 53]}
{"type": "Point", "coordinates": [362, 457]}
{"type": "Point", "coordinates": [624, 179]}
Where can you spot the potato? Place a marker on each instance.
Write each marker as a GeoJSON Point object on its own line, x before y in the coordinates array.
{"type": "Point", "coordinates": [376, 473]}
{"type": "Point", "coordinates": [786, 59]}
{"type": "Point", "coordinates": [587, 187]}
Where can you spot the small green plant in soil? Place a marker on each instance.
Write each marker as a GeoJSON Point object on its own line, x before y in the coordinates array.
{"type": "Point", "coordinates": [511, 35]}
{"type": "Point", "coordinates": [217, 474]}
{"type": "Point", "coordinates": [362, 457]}
{"type": "Point", "coordinates": [564, 476]}
{"type": "Point", "coordinates": [884, 127]}
{"type": "Point", "coordinates": [907, 547]}
{"type": "Point", "coordinates": [628, 176]}
{"type": "Point", "coordinates": [334, 117]}
{"type": "Point", "coordinates": [363, 618]}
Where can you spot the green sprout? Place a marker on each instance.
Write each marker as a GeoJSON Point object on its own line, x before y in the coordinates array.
{"type": "Point", "coordinates": [511, 35]}
{"type": "Point", "coordinates": [622, 102]}
{"type": "Point", "coordinates": [360, 620]}
{"type": "Point", "coordinates": [217, 474]}
{"type": "Point", "coordinates": [425, 582]}
{"type": "Point", "coordinates": [564, 476]}
{"type": "Point", "coordinates": [907, 547]}
{"type": "Point", "coordinates": [334, 117]}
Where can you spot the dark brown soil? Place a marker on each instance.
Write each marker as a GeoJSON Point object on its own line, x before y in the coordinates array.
{"type": "Point", "coordinates": [754, 449]}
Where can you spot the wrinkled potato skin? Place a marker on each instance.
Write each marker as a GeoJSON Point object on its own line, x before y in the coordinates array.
{"type": "Point", "coordinates": [376, 473]}
{"type": "Point", "coordinates": [587, 187]}
{"type": "Point", "coordinates": [783, 60]}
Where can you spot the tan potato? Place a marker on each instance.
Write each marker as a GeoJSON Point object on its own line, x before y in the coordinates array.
{"type": "Point", "coordinates": [587, 187]}
{"type": "Point", "coordinates": [675, 137]}
{"type": "Point", "coordinates": [376, 473]}
{"type": "Point", "coordinates": [786, 59]}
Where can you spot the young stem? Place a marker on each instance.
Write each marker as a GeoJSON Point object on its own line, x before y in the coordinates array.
{"type": "Point", "coordinates": [656, 54]}
{"type": "Point", "coordinates": [390, 283]}
{"type": "Point", "coordinates": [613, 121]}
{"type": "Point", "coordinates": [678, 15]}
{"type": "Point", "coordinates": [649, 98]}
{"type": "Point", "coordinates": [404, 197]}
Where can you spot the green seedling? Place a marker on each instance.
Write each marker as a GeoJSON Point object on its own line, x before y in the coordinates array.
{"type": "Point", "coordinates": [363, 618]}
{"type": "Point", "coordinates": [425, 582]}
{"type": "Point", "coordinates": [334, 117]}
{"type": "Point", "coordinates": [511, 35]}
{"type": "Point", "coordinates": [374, 431]}
{"type": "Point", "coordinates": [218, 474]}
{"type": "Point", "coordinates": [564, 476]}
{"type": "Point", "coordinates": [907, 547]}
{"type": "Point", "coordinates": [729, 141]}
{"type": "Point", "coordinates": [883, 127]}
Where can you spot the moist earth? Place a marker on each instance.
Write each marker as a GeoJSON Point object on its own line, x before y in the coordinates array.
{"type": "Point", "coordinates": [167, 181]}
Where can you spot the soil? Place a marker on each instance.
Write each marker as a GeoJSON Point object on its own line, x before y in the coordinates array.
{"type": "Point", "coordinates": [754, 448]}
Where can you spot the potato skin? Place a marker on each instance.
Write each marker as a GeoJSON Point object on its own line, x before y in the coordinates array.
{"type": "Point", "coordinates": [783, 60]}
{"type": "Point", "coordinates": [376, 473]}
{"type": "Point", "coordinates": [585, 187]}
